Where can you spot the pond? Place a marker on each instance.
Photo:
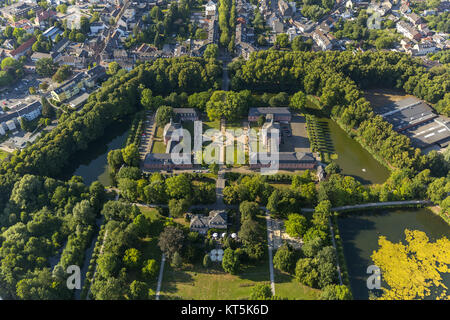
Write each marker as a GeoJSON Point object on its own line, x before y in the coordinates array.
{"type": "Point", "coordinates": [353, 159]}
{"type": "Point", "coordinates": [360, 232]}
{"type": "Point", "coordinates": [92, 163]}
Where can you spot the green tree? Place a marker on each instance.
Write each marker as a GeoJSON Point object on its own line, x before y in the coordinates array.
{"type": "Point", "coordinates": [248, 210]}
{"type": "Point", "coordinates": [211, 51]}
{"type": "Point", "coordinates": [298, 101]}
{"type": "Point", "coordinates": [424, 260]}
{"type": "Point", "coordinates": [113, 68]}
{"type": "Point", "coordinates": [177, 207]}
{"type": "Point", "coordinates": [282, 40]}
{"type": "Point", "coordinates": [261, 291]}
{"type": "Point", "coordinates": [336, 292]}
{"type": "Point", "coordinates": [46, 67]}
{"type": "Point", "coordinates": [306, 273]}
{"type": "Point", "coordinates": [230, 261]}
{"type": "Point", "coordinates": [131, 155]}
{"type": "Point", "coordinates": [179, 187]}
{"type": "Point", "coordinates": [163, 115]}
{"type": "Point", "coordinates": [150, 269]}
{"type": "Point", "coordinates": [132, 258]}
{"type": "Point", "coordinates": [139, 290]}
{"type": "Point", "coordinates": [171, 241]}
{"type": "Point", "coordinates": [284, 259]}
{"type": "Point", "coordinates": [177, 261]}
{"type": "Point", "coordinates": [296, 225]}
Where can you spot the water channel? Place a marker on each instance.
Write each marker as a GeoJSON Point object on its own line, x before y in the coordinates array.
{"type": "Point", "coordinates": [353, 159]}
{"type": "Point", "coordinates": [92, 163]}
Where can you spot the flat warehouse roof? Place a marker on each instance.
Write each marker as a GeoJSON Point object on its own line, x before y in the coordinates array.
{"type": "Point", "coordinates": [437, 131]}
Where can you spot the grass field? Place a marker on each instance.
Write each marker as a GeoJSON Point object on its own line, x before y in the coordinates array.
{"type": "Point", "coordinates": [211, 125]}
{"type": "Point", "coordinates": [199, 283]}
{"type": "Point", "coordinates": [287, 286]}
{"type": "Point", "coordinates": [158, 144]}
{"type": "Point", "coordinates": [149, 246]}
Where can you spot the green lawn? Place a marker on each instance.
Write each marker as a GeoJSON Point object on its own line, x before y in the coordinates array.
{"type": "Point", "coordinates": [158, 147]}
{"type": "Point", "coordinates": [158, 144]}
{"type": "Point", "coordinates": [287, 286]}
{"type": "Point", "coordinates": [211, 125]}
{"type": "Point", "coordinates": [149, 246]}
{"type": "Point", "coordinates": [198, 283]}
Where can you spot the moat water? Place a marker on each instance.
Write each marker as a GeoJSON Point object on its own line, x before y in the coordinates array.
{"type": "Point", "coordinates": [360, 232]}
{"type": "Point", "coordinates": [353, 159]}
{"type": "Point", "coordinates": [92, 164]}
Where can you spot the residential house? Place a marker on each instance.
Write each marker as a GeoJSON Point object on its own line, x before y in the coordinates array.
{"type": "Point", "coordinates": [217, 219]}
{"type": "Point", "coordinates": [78, 83]}
{"type": "Point", "coordinates": [423, 48]}
{"type": "Point", "coordinates": [213, 31]}
{"type": "Point", "coordinates": [23, 49]}
{"type": "Point", "coordinates": [408, 31]}
{"type": "Point", "coordinates": [285, 8]}
{"type": "Point", "coordinates": [413, 18]}
{"type": "Point", "coordinates": [210, 10]}
{"type": "Point", "coordinates": [321, 40]}
{"type": "Point", "coordinates": [69, 89]}
{"type": "Point", "coordinates": [43, 17]}
{"type": "Point", "coordinates": [95, 27]}
{"type": "Point", "coordinates": [10, 120]}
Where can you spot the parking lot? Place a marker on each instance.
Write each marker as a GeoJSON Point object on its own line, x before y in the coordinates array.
{"type": "Point", "coordinates": [19, 93]}
{"type": "Point", "coordinates": [294, 135]}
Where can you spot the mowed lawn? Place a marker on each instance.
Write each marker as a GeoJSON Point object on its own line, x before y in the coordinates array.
{"type": "Point", "coordinates": [149, 246]}
{"type": "Point", "coordinates": [198, 283]}
{"type": "Point", "coordinates": [286, 286]}
{"type": "Point", "coordinates": [158, 144]}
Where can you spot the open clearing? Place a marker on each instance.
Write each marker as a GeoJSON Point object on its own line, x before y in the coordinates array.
{"type": "Point", "coordinates": [382, 97]}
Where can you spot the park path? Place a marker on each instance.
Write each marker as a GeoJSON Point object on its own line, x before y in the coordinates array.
{"type": "Point", "coordinates": [269, 223]}
{"type": "Point", "coordinates": [160, 277]}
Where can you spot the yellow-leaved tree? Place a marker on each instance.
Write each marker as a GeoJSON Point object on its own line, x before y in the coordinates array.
{"type": "Point", "coordinates": [413, 270]}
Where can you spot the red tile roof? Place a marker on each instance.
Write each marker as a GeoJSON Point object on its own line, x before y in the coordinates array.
{"type": "Point", "coordinates": [23, 47]}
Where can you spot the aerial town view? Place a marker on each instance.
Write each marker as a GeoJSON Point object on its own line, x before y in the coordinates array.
{"type": "Point", "coordinates": [224, 150]}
